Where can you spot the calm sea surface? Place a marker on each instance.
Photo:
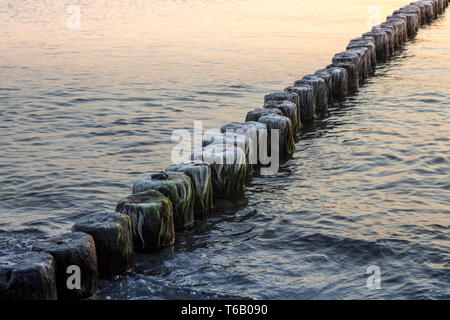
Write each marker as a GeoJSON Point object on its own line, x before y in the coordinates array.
{"type": "Point", "coordinates": [84, 113]}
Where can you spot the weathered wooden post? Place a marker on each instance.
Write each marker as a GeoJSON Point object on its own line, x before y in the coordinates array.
{"type": "Point", "coordinates": [73, 250]}
{"type": "Point", "coordinates": [178, 188]}
{"type": "Point", "coordinates": [256, 132]}
{"type": "Point", "coordinates": [328, 78]}
{"type": "Point", "coordinates": [320, 91]}
{"type": "Point", "coordinates": [339, 78]}
{"type": "Point", "coordinates": [113, 241]}
{"type": "Point", "coordinates": [229, 170]}
{"type": "Point", "coordinates": [381, 43]}
{"type": "Point", "coordinates": [289, 109]}
{"type": "Point", "coordinates": [254, 115]}
{"type": "Point", "coordinates": [366, 64]}
{"type": "Point", "coordinates": [286, 134]}
{"type": "Point", "coordinates": [352, 63]}
{"type": "Point", "coordinates": [390, 36]}
{"type": "Point", "coordinates": [401, 23]}
{"type": "Point", "coordinates": [151, 215]}
{"type": "Point", "coordinates": [369, 43]}
{"type": "Point", "coordinates": [27, 276]}
{"type": "Point", "coordinates": [306, 101]}
{"type": "Point", "coordinates": [200, 174]}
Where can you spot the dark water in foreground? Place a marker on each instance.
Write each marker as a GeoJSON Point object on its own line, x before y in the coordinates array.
{"type": "Point", "coordinates": [368, 185]}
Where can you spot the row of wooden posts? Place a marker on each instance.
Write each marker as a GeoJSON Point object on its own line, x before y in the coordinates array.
{"type": "Point", "coordinates": [102, 244]}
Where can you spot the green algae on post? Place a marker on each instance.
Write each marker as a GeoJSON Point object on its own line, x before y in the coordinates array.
{"type": "Point", "coordinates": [367, 42]}
{"type": "Point", "coordinates": [260, 112]}
{"type": "Point", "coordinates": [178, 188]}
{"type": "Point", "coordinates": [328, 79]}
{"type": "Point", "coordinates": [400, 30]}
{"type": "Point", "coordinates": [381, 43]}
{"type": "Point", "coordinates": [286, 135]}
{"type": "Point", "coordinates": [200, 174]}
{"type": "Point", "coordinates": [306, 102]}
{"type": "Point", "coordinates": [74, 248]}
{"type": "Point", "coordinates": [320, 91]}
{"type": "Point", "coordinates": [236, 139]}
{"type": "Point", "coordinates": [151, 215]}
{"type": "Point", "coordinates": [228, 170]}
{"type": "Point", "coordinates": [27, 276]}
{"type": "Point", "coordinates": [390, 38]}
{"type": "Point", "coordinates": [366, 65]}
{"type": "Point", "coordinates": [339, 82]}
{"type": "Point", "coordinates": [282, 96]}
{"type": "Point", "coordinates": [412, 21]}
{"type": "Point", "coordinates": [352, 74]}
{"type": "Point", "coordinates": [113, 241]}
{"type": "Point", "coordinates": [257, 134]}
{"type": "Point", "coordinates": [289, 109]}
{"type": "Point", "coordinates": [355, 59]}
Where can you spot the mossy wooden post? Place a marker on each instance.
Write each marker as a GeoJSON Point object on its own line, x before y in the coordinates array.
{"type": "Point", "coordinates": [442, 6]}
{"type": "Point", "coordinates": [151, 215]}
{"type": "Point", "coordinates": [320, 91]}
{"type": "Point", "coordinates": [256, 132]}
{"type": "Point", "coordinates": [402, 29]}
{"type": "Point", "coordinates": [289, 109]}
{"type": "Point", "coordinates": [306, 102]}
{"type": "Point", "coordinates": [232, 138]}
{"type": "Point", "coordinates": [393, 35]}
{"type": "Point", "coordinates": [200, 174]}
{"type": "Point", "coordinates": [113, 241]}
{"type": "Point", "coordinates": [178, 188]}
{"type": "Point", "coordinates": [399, 30]}
{"type": "Point", "coordinates": [412, 21]}
{"type": "Point", "coordinates": [412, 10]}
{"type": "Point", "coordinates": [368, 43]}
{"type": "Point", "coordinates": [366, 65]}
{"type": "Point", "coordinates": [429, 11]}
{"type": "Point", "coordinates": [416, 9]}
{"type": "Point", "coordinates": [27, 276]}
{"type": "Point", "coordinates": [254, 115]}
{"type": "Point", "coordinates": [435, 8]}
{"type": "Point", "coordinates": [339, 79]}
{"type": "Point", "coordinates": [390, 46]}
{"type": "Point", "coordinates": [423, 11]}
{"type": "Point", "coordinates": [328, 78]}
{"type": "Point", "coordinates": [228, 167]}
{"type": "Point", "coordinates": [355, 76]}
{"type": "Point", "coordinates": [286, 135]}
{"type": "Point", "coordinates": [352, 74]}
{"type": "Point", "coordinates": [381, 43]}
{"type": "Point", "coordinates": [72, 249]}
{"type": "Point", "coordinates": [282, 96]}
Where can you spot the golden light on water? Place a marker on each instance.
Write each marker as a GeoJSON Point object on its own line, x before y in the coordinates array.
{"type": "Point", "coordinates": [185, 35]}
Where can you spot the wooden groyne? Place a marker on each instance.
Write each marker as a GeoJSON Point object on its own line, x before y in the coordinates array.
{"type": "Point", "coordinates": [102, 244]}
